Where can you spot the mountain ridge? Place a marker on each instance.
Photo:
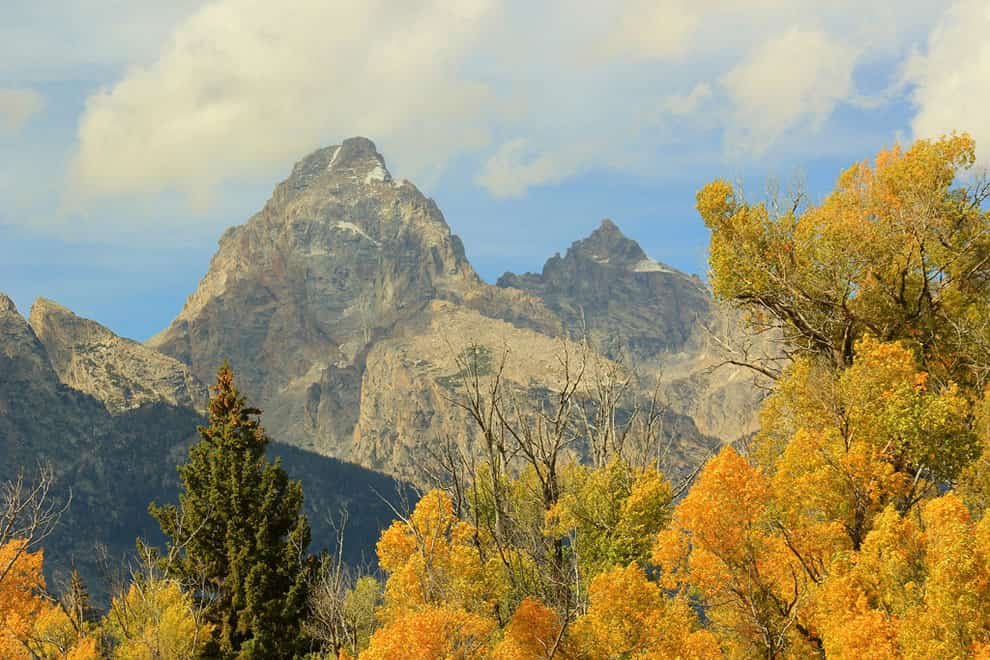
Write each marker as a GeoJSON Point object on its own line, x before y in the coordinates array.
{"type": "Point", "coordinates": [318, 299]}
{"type": "Point", "coordinates": [111, 462]}
{"type": "Point", "coordinates": [344, 306]}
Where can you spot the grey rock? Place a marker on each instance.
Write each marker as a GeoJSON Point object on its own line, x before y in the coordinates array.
{"type": "Point", "coordinates": [609, 288]}
{"type": "Point", "coordinates": [121, 373]}
{"type": "Point", "coordinates": [342, 303]}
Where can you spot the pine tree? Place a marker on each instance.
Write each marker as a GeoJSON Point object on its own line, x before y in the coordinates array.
{"type": "Point", "coordinates": [237, 537]}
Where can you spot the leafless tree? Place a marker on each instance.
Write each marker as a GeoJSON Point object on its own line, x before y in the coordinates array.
{"type": "Point", "coordinates": [336, 620]}
{"type": "Point", "coordinates": [29, 511]}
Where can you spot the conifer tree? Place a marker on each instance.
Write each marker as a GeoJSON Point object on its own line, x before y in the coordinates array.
{"type": "Point", "coordinates": [237, 537]}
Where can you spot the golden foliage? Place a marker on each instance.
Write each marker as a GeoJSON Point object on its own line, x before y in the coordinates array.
{"type": "Point", "coordinates": [155, 619]}
{"type": "Point", "coordinates": [898, 249]}
{"type": "Point", "coordinates": [431, 632]}
{"type": "Point", "coordinates": [629, 616]}
{"type": "Point", "coordinates": [532, 634]}
{"type": "Point", "coordinates": [432, 560]}
{"type": "Point", "coordinates": [20, 596]}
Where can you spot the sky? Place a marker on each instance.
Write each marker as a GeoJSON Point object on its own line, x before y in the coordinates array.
{"type": "Point", "coordinates": [133, 132]}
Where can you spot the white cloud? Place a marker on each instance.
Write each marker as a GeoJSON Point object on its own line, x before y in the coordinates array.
{"type": "Point", "coordinates": [535, 93]}
{"type": "Point", "coordinates": [517, 166]}
{"type": "Point", "coordinates": [652, 29]}
{"type": "Point", "coordinates": [796, 78]}
{"type": "Point", "coordinates": [247, 84]}
{"type": "Point", "coordinates": [17, 106]}
{"type": "Point", "coordinates": [685, 104]}
{"type": "Point", "coordinates": [951, 91]}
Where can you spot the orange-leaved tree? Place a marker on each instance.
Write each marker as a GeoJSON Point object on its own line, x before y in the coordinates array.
{"type": "Point", "coordinates": [820, 537]}
{"type": "Point", "coordinates": [21, 598]}
{"type": "Point", "coordinates": [630, 617]}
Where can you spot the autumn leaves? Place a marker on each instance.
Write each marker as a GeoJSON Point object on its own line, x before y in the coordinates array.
{"type": "Point", "coordinates": [851, 525]}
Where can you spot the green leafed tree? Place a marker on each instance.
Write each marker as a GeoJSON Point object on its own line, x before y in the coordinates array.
{"type": "Point", "coordinates": [237, 538]}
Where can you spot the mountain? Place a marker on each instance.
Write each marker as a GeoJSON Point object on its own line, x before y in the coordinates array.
{"type": "Point", "coordinates": [606, 288]}
{"type": "Point", "coordinates": [344, 303]}
{"type": "Point", "coordinates": [338, 257]}
{"type": "Point", "coordinates": [114, 419]}
{"type": "Point", "coordinates": [345, 307]}
{"type": "Point", "coordinates": [606, 285]}
{"type": "Point", "coordinates": [121, 373]}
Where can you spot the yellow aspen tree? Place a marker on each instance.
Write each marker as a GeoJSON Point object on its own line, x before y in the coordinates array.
{"type": "Point", "coordinates": [432, 632]}
{"type": "Point", "coordinates": [20, 596]}
{"type": "Point", "coordinates": [630, 617]}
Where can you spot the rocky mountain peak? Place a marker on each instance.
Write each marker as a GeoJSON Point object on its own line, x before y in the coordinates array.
{"type": "Point", "coordinates": [355, 161]}
{"type": "Point", "coordinates": [119, 372]}
{"type": "Point", "coordinates": [338, 255]}
{"type": "Point", "coordinates": [6, 304]}
{"type": "Point", "coordinates": [43, 307]}
{"type": "Point", "coordinates": [608, 246]}
{"type": "Point", "coordinates": [607, 284]}
{"type": "Point", "coordinates": [22, 357]}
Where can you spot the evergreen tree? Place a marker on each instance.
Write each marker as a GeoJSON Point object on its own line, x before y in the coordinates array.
{"type": "Point", "coordinates": [237, 537]}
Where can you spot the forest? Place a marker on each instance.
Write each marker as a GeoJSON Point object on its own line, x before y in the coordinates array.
{"type": "Point", "coordinates": [851, 525]}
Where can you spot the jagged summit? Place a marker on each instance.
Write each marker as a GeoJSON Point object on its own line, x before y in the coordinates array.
{"type": "Point", "coordinates": [6, 304]}
{"type": "Point", "coordinates": [293, 297]}
{"type": "Point", "coordinates": [606, 283]}
{"type": "Point", "coordinates": [605, 247]}
{"type": "Point", "coordinates": [45, 306]}
{"type": "Point", "coordinates": [23, 361]}
{"type": "Point", "coordinates": [608, 245]}
{"type": "Point", "coordinates": [355, 161]}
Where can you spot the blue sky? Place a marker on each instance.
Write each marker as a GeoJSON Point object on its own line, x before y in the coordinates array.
{"type": "Point", "coordinates": [132, 133]}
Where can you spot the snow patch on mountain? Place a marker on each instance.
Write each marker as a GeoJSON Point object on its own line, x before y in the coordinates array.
{"type": "Point", "coordinates": [379, 173]}
{"type": "Point", "coordinates": [333, 159]}
{"type": "Point", "coordinates": [353, 228]}
{"type": "Point", "coordinates": [650, 266]}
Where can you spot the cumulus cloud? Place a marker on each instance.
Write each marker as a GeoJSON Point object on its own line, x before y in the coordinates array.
{"type": "Point", "coordinates": [950, 78]}
{"type": "Point", "coordinates": [796, 78]}
{"type": "Point", "coordinates": [246, 84]}
{"type": "Point", "coordinates": [518, 166]}
{"type": "Point", "coordinates": [532, 94]}
{"type": "Point", "coordinates": [651, 29]}
{"type": "Point", "coordinates": [17, 106]}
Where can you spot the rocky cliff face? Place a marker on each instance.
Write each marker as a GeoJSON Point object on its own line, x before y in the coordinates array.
{"type": "Point", "coordinates": [121, 373]}
{"type": "Point", "coordinates": [339, 255]}
{"type": "Point", "coordinates": [662, 320]}
{"type": "Point", "coordinates": [342, 304]}
{"type": "Point", "coordinates": [28, 386]}
{"type": "Point", "coordinates": [608, 287]}
{"type": "Point", "coordinates": [115, 441]}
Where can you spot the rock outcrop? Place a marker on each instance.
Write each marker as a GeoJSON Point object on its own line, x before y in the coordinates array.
{"type": "Point", "coordinates": [338, 256]}
{"type": "Point", "coordinates": [121, 373]}
{"type": "Point", "coordinates": [663, 321]}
